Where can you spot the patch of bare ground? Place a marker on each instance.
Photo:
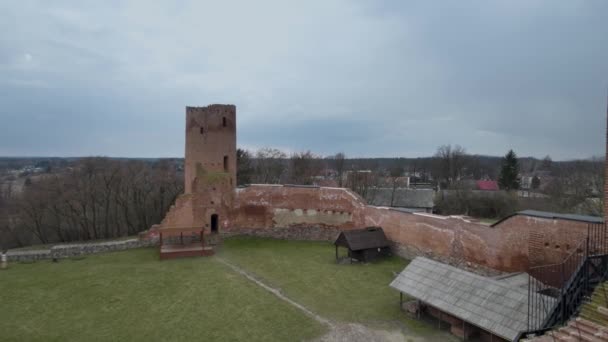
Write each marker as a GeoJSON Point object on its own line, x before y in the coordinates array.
{"type": "Point", "coordinates": [353, 332]}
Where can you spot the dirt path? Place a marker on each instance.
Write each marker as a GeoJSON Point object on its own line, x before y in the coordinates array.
{"type": "Point", "coordinates": [276, 292]}
{"type": "Point", "coordinates": [339, 332]}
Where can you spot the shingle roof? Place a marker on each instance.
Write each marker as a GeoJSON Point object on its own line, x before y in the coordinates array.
{"type": "Point", "coordinates": [405, 198]}
{"type": "Point", "coordinates": [372, 237]}
{"type": "Point", "coordinates": [484, 302]}
{"type": "Point", "coordinates": [555, 216]}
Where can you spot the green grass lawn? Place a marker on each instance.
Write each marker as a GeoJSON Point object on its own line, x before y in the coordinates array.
{"type": "Point", "coordinates": [130, 296]}
{"type": "Point", "coordinates": [599, 298]}
{"type": "Point", "coordinates": [308, 273]}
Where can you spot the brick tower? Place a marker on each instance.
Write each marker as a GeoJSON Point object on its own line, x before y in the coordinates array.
{"type": "Point", "coordinates": [209, 181]}
{"type": "Point", "coordinates": [210, 145]}
{"type": "Point", "coordinates": [606, 170]}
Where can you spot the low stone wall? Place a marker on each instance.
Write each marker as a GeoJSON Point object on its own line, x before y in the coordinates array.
{"type": "Point", "coordinates": [76, 250]}
{"type": "Point", "coordinates": [67, 251]}
{"type": "Point", "coordinates": [28, 256]}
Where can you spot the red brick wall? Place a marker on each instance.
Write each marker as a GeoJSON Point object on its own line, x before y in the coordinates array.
{"type": "Point", "coordinates": [549, 241]}
{"type": "Point", "coordinates": [514, 245]}
{"type": "Point", "coordinates": [506, 247]}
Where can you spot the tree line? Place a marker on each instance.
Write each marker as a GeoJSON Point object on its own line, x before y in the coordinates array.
{"type": "Point", "coordinates": [94, 198]}
{"type": "Point", "coordinates": [103, 198]}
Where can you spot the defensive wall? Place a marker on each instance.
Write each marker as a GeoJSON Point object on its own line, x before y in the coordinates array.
{"type": "Point", "coordinates": [211, 201]}
{"type": "Point", "coordinates": [318, 213]}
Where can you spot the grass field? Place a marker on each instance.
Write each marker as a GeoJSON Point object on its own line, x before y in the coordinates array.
{"type": "Point", "coordinates": [599, 298]}
{"type": "Point", "coordinates": [307, 272]}
{"type": "Point", "coordinates": [130, 296]}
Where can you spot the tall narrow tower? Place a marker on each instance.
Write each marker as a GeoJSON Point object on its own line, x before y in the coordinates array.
{"type": "Point", "coordinates": [606, 170]}
{"type": "Point", "coordinates": [210, 145]}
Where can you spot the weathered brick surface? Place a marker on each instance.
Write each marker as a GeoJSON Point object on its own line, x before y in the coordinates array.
{"type": "Point", "coordinates": [208, 141]}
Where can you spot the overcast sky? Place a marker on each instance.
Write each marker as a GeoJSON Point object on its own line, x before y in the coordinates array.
{"type": "Point", "coordinates": [370, 78]}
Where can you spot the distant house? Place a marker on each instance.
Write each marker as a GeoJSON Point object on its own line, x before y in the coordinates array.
{"type": "Point", "coordinates": [418, 200]}
{"type": "Point", "coordinates": [363, 244]}
{"type": "Point", "coordinates": [487, 185]}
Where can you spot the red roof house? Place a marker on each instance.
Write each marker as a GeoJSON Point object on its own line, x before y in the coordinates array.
{"type": "Point", "coordinates": [487, 185]}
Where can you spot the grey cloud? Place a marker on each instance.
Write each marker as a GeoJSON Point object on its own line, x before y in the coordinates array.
{"type": "Point", "coordinates": [383, 78]}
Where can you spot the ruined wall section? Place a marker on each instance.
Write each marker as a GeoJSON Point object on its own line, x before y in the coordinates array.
{"type": "Point", "coordinates": [276, 206]}
{"type": "Point", "coordinates": [288, 212]}
{"type": "Point", "coordinates": [272, 208]}
{"type": "Point", "coordinates": [180, 214]}
{"type": "Point", "coordinates": [452, 239]}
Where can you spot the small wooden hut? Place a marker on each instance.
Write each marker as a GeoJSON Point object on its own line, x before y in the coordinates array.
{"type": "Point", "coordinates": [364, 244]}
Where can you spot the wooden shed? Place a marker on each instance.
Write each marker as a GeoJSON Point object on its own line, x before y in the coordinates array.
{"type": "Point", "coordinates": [364, 244]}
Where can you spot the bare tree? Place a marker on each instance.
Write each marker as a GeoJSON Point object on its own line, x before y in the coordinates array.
{"type": "Point", "coordinates": [578, 186]}
{"type": "Point", "coordinates": [450, 163]}
{"type": "Point", "coordinates": [339, 163]}
{"type": "Point", "coordinates": [303, 167]}
{"type": "Point", "coordinates": [270, 165]}
{"type": "Point", "coordinates": [245, 170]}
{"type": "Point", "coordinates": [97, 198]}
{"type": "Point", "coordinates": [395, 172]}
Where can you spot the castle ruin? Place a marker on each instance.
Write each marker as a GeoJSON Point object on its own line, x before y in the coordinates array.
{"type": "Point", "coordinates": [212, 202]}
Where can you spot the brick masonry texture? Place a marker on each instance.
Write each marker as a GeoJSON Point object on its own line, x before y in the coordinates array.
{"type": "Point", "coordinates": [319, 213]}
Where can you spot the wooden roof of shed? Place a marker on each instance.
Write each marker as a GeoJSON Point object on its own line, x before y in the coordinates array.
{"type": "Point", "coordinates": [492, 305]}
{"type": "Point", "coordinates": [359, 239]}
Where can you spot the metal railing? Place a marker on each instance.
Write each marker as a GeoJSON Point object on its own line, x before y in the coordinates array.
{"type": "Point", "coordinates": [555, 292]}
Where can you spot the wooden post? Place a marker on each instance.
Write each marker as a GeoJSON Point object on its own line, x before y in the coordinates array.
{"type": "Point", "coordinates": [439, 319]}
{"type": "Point", "coordinates": [336, 254]}
{"type": "Point", "coordinates": [3, 261]}
{"type": "Point", "coordinates": [464, 331]}
{"type": "Point", "coordinates": [400, 300]}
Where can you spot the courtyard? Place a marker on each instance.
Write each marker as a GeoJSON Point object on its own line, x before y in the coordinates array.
{"type": "Point", "coordinates": [252, 289]}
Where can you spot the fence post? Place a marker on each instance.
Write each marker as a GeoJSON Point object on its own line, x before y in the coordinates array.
{"type": "Point", "coordinates": [3, 261]}
{"type": "Point", "coordinates": [563, 289]}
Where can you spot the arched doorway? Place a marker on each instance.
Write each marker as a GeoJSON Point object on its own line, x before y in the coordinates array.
{"type": "Point", "coordinates": [214, 223]}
